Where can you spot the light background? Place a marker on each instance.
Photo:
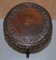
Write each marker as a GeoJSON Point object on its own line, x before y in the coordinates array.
{"type": "Point", "coordinates": [7, 53]}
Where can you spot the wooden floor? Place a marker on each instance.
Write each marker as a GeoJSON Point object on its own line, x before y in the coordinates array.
{"type": "Point", "coordinates": [6, 5]}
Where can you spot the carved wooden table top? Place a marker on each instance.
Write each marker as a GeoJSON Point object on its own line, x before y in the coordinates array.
{"type": "Point", "coordinates": [27, 27]}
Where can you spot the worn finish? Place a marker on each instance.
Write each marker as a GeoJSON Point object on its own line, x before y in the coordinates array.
{"type": "Point", "coordinates": [27, 27]}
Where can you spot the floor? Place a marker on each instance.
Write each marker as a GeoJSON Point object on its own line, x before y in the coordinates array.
{"type": "Point", "coordinates": [7, 53]}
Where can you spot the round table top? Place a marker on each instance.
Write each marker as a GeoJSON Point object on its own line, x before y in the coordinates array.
{"type": "Point", "coordinates": [27, 24]}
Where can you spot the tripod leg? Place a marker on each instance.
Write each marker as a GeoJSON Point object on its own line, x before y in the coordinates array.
{"type": "Point", "coordinates": [27, 53]}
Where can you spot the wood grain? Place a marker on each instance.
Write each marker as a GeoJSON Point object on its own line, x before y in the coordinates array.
{"type": "Point", "coordinates": [6, 5]}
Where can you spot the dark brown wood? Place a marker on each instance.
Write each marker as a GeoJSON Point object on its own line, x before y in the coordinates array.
{"type": "Point", "coordinates": [27, 27]}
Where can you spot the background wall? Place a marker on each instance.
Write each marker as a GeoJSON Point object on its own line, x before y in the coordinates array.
{"type": "Point", "coordinates": [6, 5]}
